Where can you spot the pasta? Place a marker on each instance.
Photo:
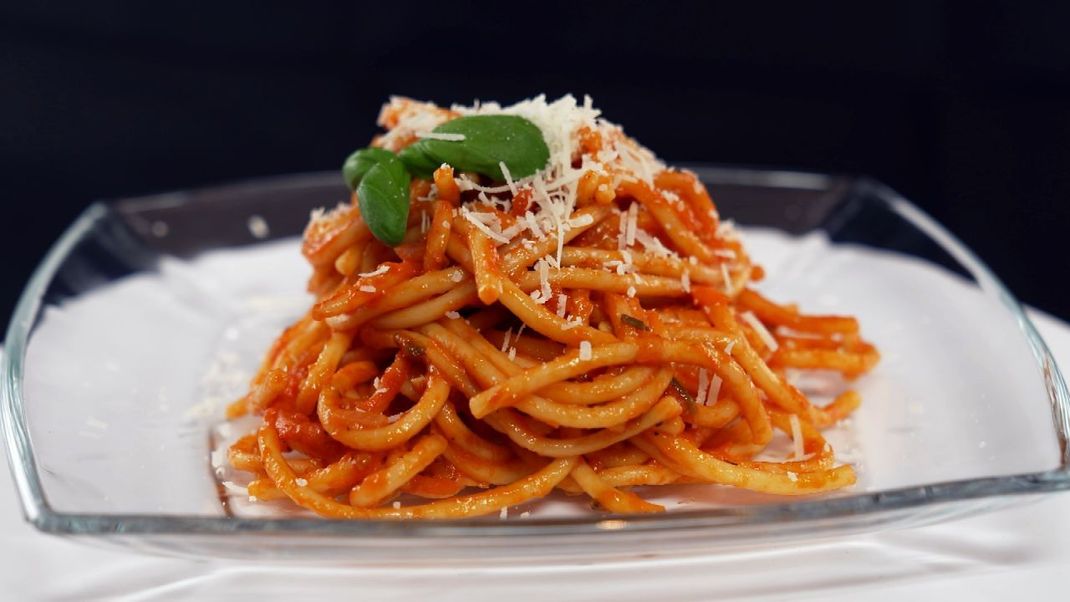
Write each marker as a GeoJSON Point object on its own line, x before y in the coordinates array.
{"type": "Point", "coordinates": [589, 328]}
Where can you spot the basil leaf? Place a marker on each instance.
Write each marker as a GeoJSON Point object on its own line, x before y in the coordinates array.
{"type": "Point", "coordinates": [489, 140]}
{"type": "Point", "coordinates": [358, 164]}
{"type": "Point", "coordinates": [383, 194]}
{"type": "Point", "coordinates": [420, 164]}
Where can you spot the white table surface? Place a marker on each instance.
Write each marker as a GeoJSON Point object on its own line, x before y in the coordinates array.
{"type": "Point", "coordinates": [1020, 553]}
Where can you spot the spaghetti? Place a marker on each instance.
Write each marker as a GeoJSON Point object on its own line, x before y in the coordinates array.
{"type": "Point", "coordinates": [590, 328]}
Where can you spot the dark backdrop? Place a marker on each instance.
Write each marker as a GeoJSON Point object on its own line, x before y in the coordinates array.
{"type": "Point", "coordinates": [963, 108]}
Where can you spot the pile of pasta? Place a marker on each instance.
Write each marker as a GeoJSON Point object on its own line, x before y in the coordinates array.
{"type": "Point", "coordinates": [488, 361]}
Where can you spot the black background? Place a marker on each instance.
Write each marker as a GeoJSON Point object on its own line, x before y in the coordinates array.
{"type": "Point", "coordinates": [963, 108]}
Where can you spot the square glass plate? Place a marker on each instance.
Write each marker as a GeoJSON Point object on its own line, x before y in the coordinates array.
{"type": "Point", "coordinates": [149, 314]}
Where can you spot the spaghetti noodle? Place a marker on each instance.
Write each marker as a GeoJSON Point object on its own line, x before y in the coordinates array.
{"type": "Point", "coordinates": [590, 328]}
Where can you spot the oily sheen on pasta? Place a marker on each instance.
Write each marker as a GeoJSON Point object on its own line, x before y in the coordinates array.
{"type": "Point", "coordinates": [590, 329]}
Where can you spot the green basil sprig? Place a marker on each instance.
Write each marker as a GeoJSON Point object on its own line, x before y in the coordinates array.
{"type": "Point", "coordinates": [489, 141]}
{"type": "Point", "coordinates": [360, 162]}
{"type": "Point", "coordinates": [383, 194]}
{"type": "Point", "coordinates": [382, 178]}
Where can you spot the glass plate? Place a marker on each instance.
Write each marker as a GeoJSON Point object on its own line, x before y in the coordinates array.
{"type": "Point", "coordinates": [149, 314]}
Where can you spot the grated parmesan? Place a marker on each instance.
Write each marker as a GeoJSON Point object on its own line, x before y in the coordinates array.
{"type": "Point", "coordinates": [715, 390]}
{"type": "Point", "coordinates": [585, 350]}
{"type": "Point", "coordinates": [653, 244]}
{"type": "Point", "coordinates": [367, 288]}
{"type": "Point", "coordinates": [508, 177]}
{"type": "Point", "coordinates": [453, 315]}
{"type": "Point", "coordinates": [616, 266]}
{"type": "Point", "coordinates": [533, 225]}
{"type": "Point", "coordinates": [384, 268]}
{"type": "Point", "coordinates": [543, 268]}
{"type": "Point", "coordinates": [760, 329]}
{"type": "Point", "coordinates": [572, 322]}
{"type": "Point", "coordinates": [447, 137]}
{"type": "Point", "coordinates": [476, 219]}
{"type": "Point", "coordinates": [583, 220]}
{"type": "Point", "coordinates": [432, 194]}
{"type": "Point", "coordinates": [633, 224]}
{"type": "Point", "coordinates": [796, 437]}
{"type": "Point", "coordinates": [703, 384]}
{"type": "Point", "coordinates": [727, 230]}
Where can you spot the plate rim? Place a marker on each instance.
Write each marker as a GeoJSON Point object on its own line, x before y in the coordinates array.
{"type": "Point", "coordinates": [38, 511]}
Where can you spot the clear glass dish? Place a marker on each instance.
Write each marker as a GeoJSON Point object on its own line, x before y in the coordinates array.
{"type": "Point", "coordinates": [148, 314]}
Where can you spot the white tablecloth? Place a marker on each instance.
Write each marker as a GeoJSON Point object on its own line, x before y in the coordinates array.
{"type": "Point", "coordinates": [1021, 553]}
